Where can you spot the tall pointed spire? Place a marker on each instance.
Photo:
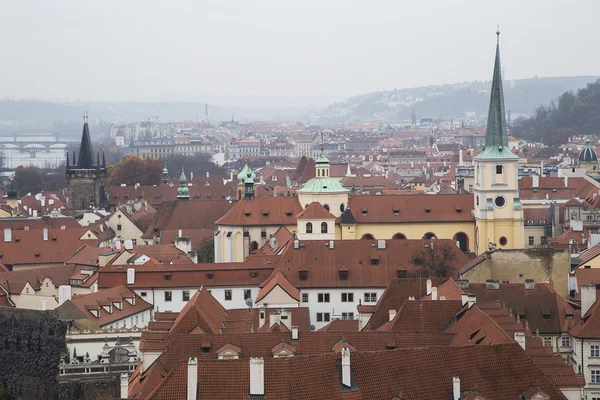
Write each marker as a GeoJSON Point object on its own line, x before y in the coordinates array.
{"type": "Point", "coordinates": [86, 153]}
{"type": "Point", "coordinates": [496, 134]}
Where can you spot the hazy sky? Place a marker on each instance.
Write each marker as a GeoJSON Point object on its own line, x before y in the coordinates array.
{"type": "Point", "coordinates": [176, 49]}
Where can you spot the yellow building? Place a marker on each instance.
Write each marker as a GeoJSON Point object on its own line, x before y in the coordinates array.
{"type": "Point", "coordinates": [498, 211]}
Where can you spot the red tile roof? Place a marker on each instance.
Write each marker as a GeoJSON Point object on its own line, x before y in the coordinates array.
{"type": "Point", "coordinates": [262, 211]}
{"type": "Point", "coordinates": [412, 208]}
{"type": "Point", "coordinates": [113, 296]}
{"type": "Point", "coordinates": [278, 280]}
{"type": "Point", "coordinates": [315, 211]}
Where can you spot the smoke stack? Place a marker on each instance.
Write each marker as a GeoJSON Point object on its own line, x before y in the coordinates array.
{"type": "Point", "coordinates": [192, 379]}
{"type": "Point", "coordinates": [257, 376]}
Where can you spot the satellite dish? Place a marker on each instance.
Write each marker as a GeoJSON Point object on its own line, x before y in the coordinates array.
{"type": "Point", "coordinates": [249, 302]}
{"type": "Point", "coordinates": [312, 328]}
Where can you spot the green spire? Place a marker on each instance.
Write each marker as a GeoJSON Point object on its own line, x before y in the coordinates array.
{"type": "Point", "coordinates": [183, 193]}
{"type": "Point", "coordinates": [496, 134]}
{"type": "Point", "coordinates": [165, 175]}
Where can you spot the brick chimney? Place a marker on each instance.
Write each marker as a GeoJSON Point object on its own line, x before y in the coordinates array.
{"type": "Point", "coordinates": [346, 377]}
{"type": "Point", "coordinates": [124, 386]}
{"type": "Point", "coordinates": [588, 298]}
{"type": "Point", "coordinates": [520, 338]}
{"type": "Point", "coordinates": [257, 376]}
{"type": "Point", "coordinates": [192, 379]}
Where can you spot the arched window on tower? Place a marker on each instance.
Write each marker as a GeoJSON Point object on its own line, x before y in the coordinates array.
{"type": "Point", "coordinates": [323, 227]}
{"type": "Point", "coordinates": [309, 227]}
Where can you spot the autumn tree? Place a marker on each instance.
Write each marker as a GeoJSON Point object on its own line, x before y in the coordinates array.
{"type": "Point", "coordinates": [132, 169]}
{"type": "Point", "coordinates": [437, 260]}
{"type": "Point", "coordinates": [28, 180]}
{"type": "Point", "coordinates": [198, 164]}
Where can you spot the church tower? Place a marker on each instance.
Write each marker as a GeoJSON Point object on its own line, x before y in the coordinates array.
{"type": "Point", "coordinates": [183, 192]}
{"type": "Point", "coordinates": [498, 211]}
{"type": "Point", "coordinates": [85, 178]}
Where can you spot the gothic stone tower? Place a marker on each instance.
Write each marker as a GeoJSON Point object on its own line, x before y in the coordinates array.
{"type": "Point", "coordinates": [498, 211]}
{"type": "Point", "coordinates": [85, 178]}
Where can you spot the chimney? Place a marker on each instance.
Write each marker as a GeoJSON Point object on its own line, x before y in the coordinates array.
{"type": "Point", "coordinates": [7, 235]}
{"type": "Point", "coordinates": [34, 213]}
{"type": "Point", "coordinates": [428, 287]}
{"type": "Point", "coordinates": [520, 338]}
{"type": "Point", "coordinates": [296, 244]}
{"type": "Point", "coordinates": [434, 295]}
{"type": "Point", "coordinates": [460, 157]}
{"type": "Point", "coordinates": [294, 333]}
{"type": "Point", "coordinates": [257, 376]}
{"type": "Point", "coordinates": [130, 276]}
{"type": "Point", "coordinates": [64, 294]}
{"type": "Point", "coordinates": [331, 245]}
{"type": "Point", "coordinates": [346, 379]}
{"type": "Point", "coordinates": [261, 317]}
{"type": "Point", "coordinates": [285, 318]}
{"type": "Point", "coordinates": [180, 233]}
{"type": "Point", "coordinates": [472, 300]}
{"type": "Point", "coordinates": [535, 181]}
{"type": "Point", "coordinates": [191, 177]}
{"type": "Point", "coordinates": [464, 298]}
{"type": "Point", "coordinates": [588, 298]}
{"type": "Point", "coordinates": [124, 386]}
{"type": "Point", "coordinates": [392, 314]}
{"type": "Point", "coordinates": [43, 304]}
{"type": "Point", "coordinates": [45, 234]}
{"type": "Point", "coordinates": [192, 379]}
{"type": "Point", "coordinates": [566, 181]}
{"type": "Point", "coordinates": [456, 388]}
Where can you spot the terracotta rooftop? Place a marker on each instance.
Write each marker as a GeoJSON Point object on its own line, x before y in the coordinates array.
{"type": "Point", "coordinates": [262, 211]}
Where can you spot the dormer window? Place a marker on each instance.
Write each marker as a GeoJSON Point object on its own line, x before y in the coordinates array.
{"type": "Point", "coordinates": [303, 275]}
{"type": "Point", "coordinates": [210, 275]}
{"type": "Point", "coordinates": [396, 211]}
{"type": "Point", "coordinates": [365, 212]}
{"type": "Point", "coordinates": [344, 274]}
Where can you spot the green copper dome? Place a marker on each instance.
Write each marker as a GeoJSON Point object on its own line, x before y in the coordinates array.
{"type": "Point", "coordinates": [245, 174]}
{"type": "Point", "coordinates": [588, 154]}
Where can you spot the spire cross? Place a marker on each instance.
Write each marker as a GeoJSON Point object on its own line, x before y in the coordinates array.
{"type": "Point", "coordinates": [498, 34]}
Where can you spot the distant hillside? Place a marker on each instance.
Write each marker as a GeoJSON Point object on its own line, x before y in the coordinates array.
{"type": "Point", "coordinates": [522, 96]}
{"type": "Point", "coordinates": [572, 114]}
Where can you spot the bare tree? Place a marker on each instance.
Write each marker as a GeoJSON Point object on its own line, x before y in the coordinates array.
{"type": "Point", "coordinates": [438, 260]}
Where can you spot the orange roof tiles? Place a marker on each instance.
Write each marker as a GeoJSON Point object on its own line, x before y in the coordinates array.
{"type": "Point", "coordinates": [262, 211]}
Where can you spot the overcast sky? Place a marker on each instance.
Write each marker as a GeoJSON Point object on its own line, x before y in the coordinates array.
{"type": "Point", "coordinates": [174, 49]}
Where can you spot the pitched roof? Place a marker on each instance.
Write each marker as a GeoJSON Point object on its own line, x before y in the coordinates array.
{"type": "Point", "coordinates": [412, 208]}
{"type": "Point", "coordinates": [501, 372]}
{"type": "Point", "coordinates": [424, 315]}
{"type": "Point", "coordinates": [110, 297]}
{"type": "Point", "coordinates": [315, 211]}
{"type": "Point", "coordinates": [14, 281]}
{"type": "Point", "coordinates": [278, 280]}
{"type": "Point", "coordinates": [368, 266]}
{"type": "Point", "coordinates": [262, 211]}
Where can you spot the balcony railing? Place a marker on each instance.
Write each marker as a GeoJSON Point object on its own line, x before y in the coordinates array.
{"type": "Point", "coordinates": [65, 370]}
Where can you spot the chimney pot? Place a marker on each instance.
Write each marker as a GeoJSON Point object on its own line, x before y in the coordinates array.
{"type": "Point", "coordinates": [257, 376]}
{"type": "Point", "coordinates": [346, 377]}
{"type": "Point", "coordinates": [192, 379]}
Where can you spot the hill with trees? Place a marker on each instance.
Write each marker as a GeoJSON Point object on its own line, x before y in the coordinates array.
{"type": "Point", "coordinates": [572, 114]}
